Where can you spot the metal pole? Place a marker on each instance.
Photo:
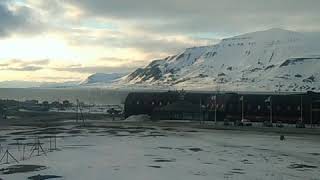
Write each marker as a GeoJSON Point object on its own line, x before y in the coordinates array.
{"type": "Point", "coordinates": [24, 147]}
{"type": "Point", "coordinates": [12, 157]}
{"type": "Point", "coordinates": [242, 108]}
{"type": "Point", "coordinates": [311, 111]}
{"type": "Point", "coordinates": [200, 112]}
{"type": "Point", "coordinates": [270, 110]}
{"type": "Point", "coordinates": [77, 111]}
{"type": "Point", "coordinates": [18, 144]}
{"type": "Point", "coordinates": [50, 148]}
{"type": "Point", "coordinates": [55, 142]}
{"type": "Point", "coordinates": [301, 109]}
{"type": "Point", "coordinates": [38, 146]}
{"type": "Point", "coordinates": [215, 109]}
{"type": "Point", "coordinates": [7, 152]}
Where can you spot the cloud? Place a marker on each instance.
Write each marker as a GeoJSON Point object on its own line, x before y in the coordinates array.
{"type": "Point", "coordinates": [151, 44]}
{"type": "Point", "coordinates": [96, 69]}
{"type": "Point", "coordinates": [18, 19]}
{"type": "Point", "coordinates": [22, 65]}
{"type": "Point", "coordinates": [26, 68]}
{"type": "Point", "coordinates": [19, 62]}
{"type": "Point", "coordinates": [189, 16]}
{"type": "Point", "coordinates": [85, 33]}
{"type": "Point", "coordinates": [148, 43]}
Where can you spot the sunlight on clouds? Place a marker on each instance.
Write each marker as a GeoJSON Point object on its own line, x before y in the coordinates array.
{"type": "Point", "coordinates": [35, 48]}
{"type": "Point", "coordinates": [45, 75]}
{"type": "Point", "coordinates": [76, 43]}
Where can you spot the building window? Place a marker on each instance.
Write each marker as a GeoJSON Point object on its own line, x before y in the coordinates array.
{"type": "Point", "coordinates": [278, 108]}
{"type": "Point", "coordinates": [289, 108]}
{"type": "Point", "coordinates": [230, 107]}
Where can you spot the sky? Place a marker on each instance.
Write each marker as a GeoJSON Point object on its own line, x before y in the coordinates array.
{"type": "Point", "coordinates": [67, 40]}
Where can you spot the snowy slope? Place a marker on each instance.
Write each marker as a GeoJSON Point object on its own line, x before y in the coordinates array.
{"type": "Point", "coordinates": [270, 60]}
{"type": "Point", "coordinates": [102, 78]}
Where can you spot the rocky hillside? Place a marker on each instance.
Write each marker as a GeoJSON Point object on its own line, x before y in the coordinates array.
{"type": "Point", "coordinates": [271, 60]}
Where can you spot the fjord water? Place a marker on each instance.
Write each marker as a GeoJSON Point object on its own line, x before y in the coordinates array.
{"type": "Point", "coordinates": [87, 95]}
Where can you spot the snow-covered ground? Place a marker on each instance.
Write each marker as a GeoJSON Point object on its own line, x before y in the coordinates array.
{"type": "Point", "coordinates": [150, 153]}
{"type": "Point", "coordinates": [91, 109]}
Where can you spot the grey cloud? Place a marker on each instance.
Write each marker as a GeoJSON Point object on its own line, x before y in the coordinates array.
{"type": "Point", "coordinates": [148, 44]}
{"type": "Point", "coordinates": [26, 68]}
{"type": "Point", "coordinates": [21, 20]}
{"type": "Point", "coordinates": [19, 62]}
{"type": "Point", "coordinates": [174, 16]}
{"type": "Point", "coordinates": [121, 60]}
{"type": "Point", "coordinates": [21, 65]}
{"type": "Point", "coordinates": [96, 69]}
{"type": "Point", "coordinates": [145, 43]}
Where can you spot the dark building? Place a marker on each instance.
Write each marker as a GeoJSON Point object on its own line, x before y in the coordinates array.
{"type": "Point", "coordinates": [208, 106]}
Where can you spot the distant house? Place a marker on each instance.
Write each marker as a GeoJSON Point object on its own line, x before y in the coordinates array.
{"type": "Point", "coordinates": [56, 104]}
{"type": "Point", "coordinates": [66, 104]}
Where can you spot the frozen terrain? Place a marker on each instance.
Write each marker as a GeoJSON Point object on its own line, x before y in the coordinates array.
{"type": "Point", "coordinates": [99, 78]}
{"type": "Point", "coordinates": [271, 60]}
{"type": "Point", "coordinates": [136, 152]}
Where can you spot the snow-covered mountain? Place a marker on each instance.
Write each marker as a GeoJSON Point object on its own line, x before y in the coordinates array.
{"type": "Point", "coordinates": [270, 60]}
{"type": "Point", "coordinates": [101, 78]}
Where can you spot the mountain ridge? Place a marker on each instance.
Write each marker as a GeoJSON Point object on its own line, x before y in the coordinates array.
{"type": "Point", "coordinates": [270, 60]}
